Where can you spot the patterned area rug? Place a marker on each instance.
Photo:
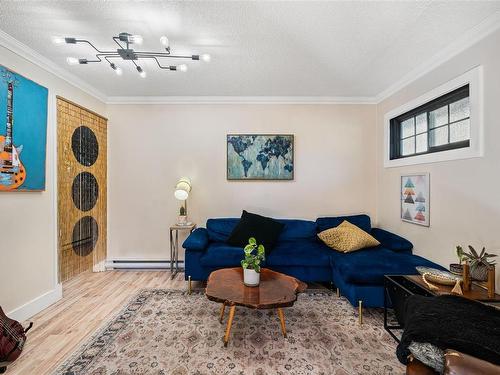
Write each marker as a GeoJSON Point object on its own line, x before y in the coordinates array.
{"type": "Point", "coordinates": [170, 332]}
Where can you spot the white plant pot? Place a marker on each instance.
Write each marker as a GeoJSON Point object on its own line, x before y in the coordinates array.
{"type": "Point", "coordinates": [182, 219]}
{"type": "Point", "coordinates": [250, 277]}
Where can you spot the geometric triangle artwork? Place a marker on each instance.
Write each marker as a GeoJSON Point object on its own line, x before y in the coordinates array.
{"type": "Point", "coordinates": [420, 216]}
{"type": "Point", "coordinates": [415, 199]}
{"type": "Point", "coordinates": [409, 184]}
{"type": "Point", "coordinates": [409, 192]}
{"type": "Point", "coordinates": [420, 198]}
{"type": "Point", "coordinates": [409, 199]}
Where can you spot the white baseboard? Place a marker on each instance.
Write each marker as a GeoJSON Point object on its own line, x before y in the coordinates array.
{"type": "Point", "coordinates": [139, 264]}
{"type": "Point", "coordinates": [36, 305]}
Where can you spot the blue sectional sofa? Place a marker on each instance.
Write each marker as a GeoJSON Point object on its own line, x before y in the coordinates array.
{"type": "Point", "coordinates": [359, 275]}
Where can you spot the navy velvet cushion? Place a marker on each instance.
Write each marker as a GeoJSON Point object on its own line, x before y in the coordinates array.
{"type": "Point", "coordinates": [361, 221]}
{"type": "Point", "coordinates": [369, 266]}
{"type": "Point", "coordinates": [197, 241]}
{"type": "Point", "coordinates": [300, 253]}
{"type": "Point", "coordinates": [264, 229]}
{"type": "Point", "coordinates": [297, 229]}
{"type": "Point", "coordinates": [392, 241]}
{"type": "Point", "coordinates": [220, 254]}
{"type": "Point", "coordinates": [220, 229]}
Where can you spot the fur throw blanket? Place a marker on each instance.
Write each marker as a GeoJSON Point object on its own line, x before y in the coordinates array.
{"type": "Point", "coordinates": [451, 322]}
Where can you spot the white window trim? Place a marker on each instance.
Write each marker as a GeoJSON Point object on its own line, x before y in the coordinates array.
{"type": "Point", "coordinates": [474, 78]}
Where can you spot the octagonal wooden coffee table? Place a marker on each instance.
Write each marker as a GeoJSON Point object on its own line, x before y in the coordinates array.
{"type": "Point", "coordinates": [275, 291]}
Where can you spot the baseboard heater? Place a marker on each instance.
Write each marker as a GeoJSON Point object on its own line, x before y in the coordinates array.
{"type": "Point", "coordinates": [140, 264]}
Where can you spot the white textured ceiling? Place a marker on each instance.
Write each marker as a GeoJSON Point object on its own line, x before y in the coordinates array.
{"type": "Point", "coordinates": [300, 48]}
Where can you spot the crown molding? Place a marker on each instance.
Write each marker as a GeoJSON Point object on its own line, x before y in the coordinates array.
{"type": "Point", "coordinates": [34, 57]}
{"type": "Point", "coordinates": [238, 100]}
{"type": "Point", "coordinates": [473, 36]}
{"type": "Point", "coordinates": [467, 40]}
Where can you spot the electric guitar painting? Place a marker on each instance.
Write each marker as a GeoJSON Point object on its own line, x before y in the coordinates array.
{"type": "Point", "coordinates": [12, 171]}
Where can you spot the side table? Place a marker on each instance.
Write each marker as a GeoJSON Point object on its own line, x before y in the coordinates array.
{"type": "Point", "coordinates": [174, 245]}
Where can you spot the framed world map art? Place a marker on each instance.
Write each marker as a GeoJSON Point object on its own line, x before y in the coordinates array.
{"type": "Point", "coordinates": [260, 157]}
{"type": "Point", "coordinates": [415, 205]}
{"type": "Point", "coordinates": [23, 133]}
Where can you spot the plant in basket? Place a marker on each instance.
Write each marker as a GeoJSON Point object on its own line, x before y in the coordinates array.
{"type": "Point", "coordinates": [457, 268]}
{"type": "Point", "coordinates": [479, 263]}
{"type": "Point", "coordinates": [254, 255]}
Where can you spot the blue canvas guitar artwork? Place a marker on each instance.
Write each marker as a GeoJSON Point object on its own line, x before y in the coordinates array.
{"type": "Point", "coordinates": [23, 105]}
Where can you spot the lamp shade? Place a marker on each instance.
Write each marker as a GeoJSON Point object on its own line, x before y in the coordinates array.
{"type": "Point", "coordinates": [182, 189]}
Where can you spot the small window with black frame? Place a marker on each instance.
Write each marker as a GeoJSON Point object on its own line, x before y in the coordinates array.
{"type": "Point", "coordinates": [439, 125]}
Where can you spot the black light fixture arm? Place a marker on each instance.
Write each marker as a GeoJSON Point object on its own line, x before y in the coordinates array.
{"type": "Point", "coordinates": [170, 67]}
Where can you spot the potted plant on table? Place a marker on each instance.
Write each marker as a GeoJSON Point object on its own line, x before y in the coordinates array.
{"type": "Point", "coordinates": [457, 268]}
{"type": "Point", "coordinates": [182, 218]}
{"type": "Point", "coordinates": [479, 264]}
{"type": "Point", "coordinates": [254, 255]}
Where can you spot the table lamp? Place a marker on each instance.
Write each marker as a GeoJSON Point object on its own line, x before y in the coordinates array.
{"type": "Point", "coordinates": [181, 192]}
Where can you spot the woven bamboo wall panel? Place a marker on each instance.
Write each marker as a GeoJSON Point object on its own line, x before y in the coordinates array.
{"type": "Point", "coordinates": [82, 212]}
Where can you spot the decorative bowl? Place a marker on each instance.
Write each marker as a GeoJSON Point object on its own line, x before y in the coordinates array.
{"type": "Point", "coordinates": [438, 276]}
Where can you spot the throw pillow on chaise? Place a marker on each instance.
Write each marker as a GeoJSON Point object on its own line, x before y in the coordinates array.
{"type": "Point", "coordinates": [347, 237]}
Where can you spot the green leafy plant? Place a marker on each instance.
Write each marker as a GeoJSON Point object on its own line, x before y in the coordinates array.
{"type": "Point", "coordinates": [460, 254]}
{"type": "Point", "coordinates": [182, 211]}
{"type": "Point", "coordinates": [477, 260]}
{"type": "Point", "coordinates": [254, 255]}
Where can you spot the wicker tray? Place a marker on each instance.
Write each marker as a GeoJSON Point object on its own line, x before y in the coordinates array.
{"type": "Point", "coordinates": [438, 276]}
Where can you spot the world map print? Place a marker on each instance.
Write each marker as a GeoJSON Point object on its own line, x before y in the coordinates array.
{"type": "Point", "coordinates": [260, 157]}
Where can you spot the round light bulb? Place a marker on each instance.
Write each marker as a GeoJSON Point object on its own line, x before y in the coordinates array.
{"type": "Point", "coordinates": [136, 39]}
{"type": "Point", "coordinates": [181, 195]}
{"type": "Point", "coordinates": [143, 74]}
{"type": "Point", "coordinates": [118, 71]}
{"type": "Point", "coordinates": [206, 57]}
{"type": "Point", "coordinates": [182, 67]}
{"type": "Point", "coordinates": [58, 40]}
{"type": "Point", "coordinates": [72, 61]}
{"type": "Point", "coordinates": [164, 41]}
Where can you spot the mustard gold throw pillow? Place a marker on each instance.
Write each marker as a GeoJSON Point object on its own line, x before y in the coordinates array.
{"type": "Point", "coordinates": [347, 237]}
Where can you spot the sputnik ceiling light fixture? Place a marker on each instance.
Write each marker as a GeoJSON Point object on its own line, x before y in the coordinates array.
{"type": "Point", "coordinates": [126, 53]}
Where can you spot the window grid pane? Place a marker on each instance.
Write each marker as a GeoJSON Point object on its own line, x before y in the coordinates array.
{"type": "Point", "coordinates": [408, 146]}
{"type": "Point", "coordinates": [438, 125]}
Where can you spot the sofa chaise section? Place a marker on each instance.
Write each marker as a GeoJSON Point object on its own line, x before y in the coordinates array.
{"type": "Point", "coordinates": [359, 275]}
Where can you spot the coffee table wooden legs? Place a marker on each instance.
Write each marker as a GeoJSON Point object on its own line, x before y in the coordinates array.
{"type": "Point", "coordinates": [229, 324]}
{"type": "Point", "coordinates": [282, 321]}
{"type": "Point", "coordinates": [222, 309]}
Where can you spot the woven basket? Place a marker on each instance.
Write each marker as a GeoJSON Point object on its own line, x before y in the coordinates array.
{"type": "Point", "coordinates": [456, 269]}
{"type": "Point", "coordinates": [479, 273]}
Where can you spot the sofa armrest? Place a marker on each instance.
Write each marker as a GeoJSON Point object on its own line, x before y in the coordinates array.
{"type": "Point", "coordinates": [196, 241]}
{"type": "Point", "coordinates": [392, 241]}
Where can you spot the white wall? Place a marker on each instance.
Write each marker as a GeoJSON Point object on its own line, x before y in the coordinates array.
{"type": "Point", "coordinates": [465, 204]}
{"type": "Point", "coordinates": [28, 221]}
{"type": "Point", "coordinates": [151, 146]}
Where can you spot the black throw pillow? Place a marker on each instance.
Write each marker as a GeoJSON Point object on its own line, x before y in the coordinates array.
{"type": "Point", "coordinates": [264, 229]}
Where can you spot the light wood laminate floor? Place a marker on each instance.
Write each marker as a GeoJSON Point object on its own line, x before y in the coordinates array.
{"type": "Point", "coordinates": [89, 300]}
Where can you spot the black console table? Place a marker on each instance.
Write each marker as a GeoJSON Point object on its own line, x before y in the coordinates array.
{"type": "Point", "coordinates": [397, 288]}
